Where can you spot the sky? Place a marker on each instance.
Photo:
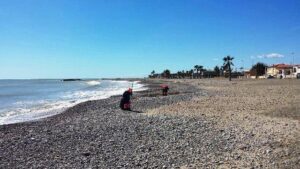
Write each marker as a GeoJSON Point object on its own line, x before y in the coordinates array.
{"type": "Point", "coordinates": [130, 38]}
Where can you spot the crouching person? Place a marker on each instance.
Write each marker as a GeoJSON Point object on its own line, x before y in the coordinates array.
{"type": "Point", "coordinates": [125, 101]}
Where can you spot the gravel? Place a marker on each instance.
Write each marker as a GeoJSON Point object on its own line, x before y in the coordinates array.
{"type": "Point", "coordinates": [261, 117]}
{"type": "Point", "coordinates": [97, 134]}
{"type": "Point", "coordinates": [161, 132]}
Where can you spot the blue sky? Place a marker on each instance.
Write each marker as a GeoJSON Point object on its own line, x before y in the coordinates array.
{"type": "Point", "coordinates": [130, 38]}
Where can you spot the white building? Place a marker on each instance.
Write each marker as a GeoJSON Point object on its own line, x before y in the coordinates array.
{"type": "Point", "coordinates": [296, 71]}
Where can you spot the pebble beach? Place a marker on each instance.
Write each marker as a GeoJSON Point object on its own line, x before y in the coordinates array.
{"type": "Point", "coordinates": [203, 123]}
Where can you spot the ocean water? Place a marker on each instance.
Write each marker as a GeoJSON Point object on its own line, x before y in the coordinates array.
{"type": "Point", "coordinates": [27, 100]}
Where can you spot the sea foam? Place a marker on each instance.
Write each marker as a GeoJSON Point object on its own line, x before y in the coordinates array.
{"type": "Point", "coordinates": [69, 95]}
{"type": "Point", "coordinates": [93, 82]}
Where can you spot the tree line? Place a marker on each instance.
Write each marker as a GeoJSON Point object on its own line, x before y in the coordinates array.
{"type": "Point", "coordinates": [199, 72]}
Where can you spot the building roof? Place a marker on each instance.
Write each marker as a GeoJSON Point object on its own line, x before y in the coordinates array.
{"type": "Point", "coordinates": [282, 66]}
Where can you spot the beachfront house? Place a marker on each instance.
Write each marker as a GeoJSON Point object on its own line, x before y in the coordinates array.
{"type": "Point", "coordinates": [296, 71]}
{"type": "Point", "coordinates": [280, 71]}
{"type": "Point", "coordinates": [251, 74]}
{"type": "Point", "coordinates": [247, 73]}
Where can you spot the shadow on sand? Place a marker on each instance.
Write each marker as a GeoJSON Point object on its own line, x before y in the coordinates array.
{"type": "Point", "coordinates": [134, 111]}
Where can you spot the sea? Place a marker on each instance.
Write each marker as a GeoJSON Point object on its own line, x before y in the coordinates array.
{"type": "Point", "coordinates": [29, 100]}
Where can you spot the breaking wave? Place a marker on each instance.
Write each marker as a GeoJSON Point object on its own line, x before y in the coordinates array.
{"type": "Point", "coordinates": [28, 110]}
{"type": "Point", "coordinates": [93, 82]}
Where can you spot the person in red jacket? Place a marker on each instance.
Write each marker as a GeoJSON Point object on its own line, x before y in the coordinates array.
{"type": "Point", "coordinates": [125, 101]}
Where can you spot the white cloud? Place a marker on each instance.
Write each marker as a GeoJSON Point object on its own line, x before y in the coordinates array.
{"type": "Point", "coordinates": [271, 55]}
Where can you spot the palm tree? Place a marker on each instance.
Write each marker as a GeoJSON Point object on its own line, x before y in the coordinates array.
{"type": "Point", "coordinates": [196, 67]}
{"type": "Point", "coordinates": [227, 64]}
{"type": "Point", "coordinates": [201, 70]}
{"type": "Point", "coordinates": [167, 73]}
{"type": "Point", "coordinates": [152, 73]}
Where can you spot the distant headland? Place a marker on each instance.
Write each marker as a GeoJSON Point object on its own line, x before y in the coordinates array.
{"type": "Point", "coordinates": [67, 80]}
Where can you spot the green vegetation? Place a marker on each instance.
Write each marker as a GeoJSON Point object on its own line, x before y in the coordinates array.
{"type": "Point", "coordinates": [217, 70]}
{"type": "Point", "coordinates": [199, 71]}
{"type": "Point", "coordinates": [227, 65]}
{"type": "Point", "coordinates": [258, 69]}
{"type": "Point", "coordinates": [167, 73]}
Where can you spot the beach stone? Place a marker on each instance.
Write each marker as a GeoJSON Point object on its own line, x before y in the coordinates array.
{"type": "Point", "coordinates": [184, 129]}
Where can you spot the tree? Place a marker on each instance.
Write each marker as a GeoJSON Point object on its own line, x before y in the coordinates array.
{"type": "Point", "coordinates": [217, 70]}
{"type": "Point", "coordinates": [191, 72]}
{"type": "Point", "coordinates": [187, 73]}
{"type": "Point", "coordinates": [152, 73]}
{"type": "Point", "coordinates": [198, 68]}
{"type": "Point", "coordinates": [182, 74]}
{"type": "Point", "coordinates": [201, 70]}
{"type": "Point", "coordinates": [241, 69]}
{"type": "Point", "coordinates": [258, 69]}
{"type": "Point", "coordinates": [227, 64]}
{"type": "Point", "coordinates": [221, 70]}
{"type": "Point", "coordinates": [179, 74]}
{"type": "Point", "coordinates": [167, 73]}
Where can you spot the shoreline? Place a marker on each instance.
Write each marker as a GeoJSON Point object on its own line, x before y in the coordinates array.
{"type": "Point", "coordinates": [199, 125]}
{"type": "Point", "coordinates": [71, 134]}
{"type": "Point", "coordinates": [56, 106]}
